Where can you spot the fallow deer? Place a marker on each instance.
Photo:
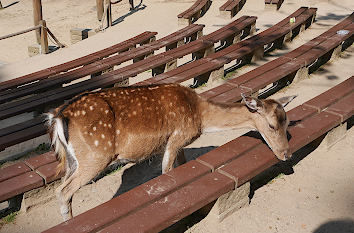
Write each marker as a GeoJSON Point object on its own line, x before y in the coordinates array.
{"type": "Point", "coordinates": [129, 124]}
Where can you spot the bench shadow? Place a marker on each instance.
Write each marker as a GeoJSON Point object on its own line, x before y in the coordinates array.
{"type": "Point", "coordinates": [331, 16]}
{"type": "Point", "coordinates": [338, 226]}
{"type": "Point", "coordinates": [139, 7]}
{"type": "Point", "coordinates": [151, 168]}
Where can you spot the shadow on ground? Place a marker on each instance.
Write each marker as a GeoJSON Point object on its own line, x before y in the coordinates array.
{"type": "Point", "coordinates": [337, 226]}
{"type": "Point", "coordinates": [151, 168]}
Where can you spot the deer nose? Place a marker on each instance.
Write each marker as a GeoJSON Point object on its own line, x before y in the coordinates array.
{"type": "Point", "coordinates": [287, 154]}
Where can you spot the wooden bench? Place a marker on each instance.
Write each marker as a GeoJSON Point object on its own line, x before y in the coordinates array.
{"type": "Point", "coordinates": [140, 39]}
{"type": "Point", "coordinates": [296, 64]}
{"type": "Point", "coordinates": [230, 8]}
{"type": "Point", "coordinates": [23, 131]}
{"type": "Point", "coordinates": [179, 37]}
{"type": "Point", "coordinates": [27, 175]}
{"type": "Point", "coordinates": [212, 66]}
{"type": "Point", "coordinates": [192, 14]}
{"type": "Point", "coordinates": [273, 3]}
{"type": "Point", "coordinates": [195, 184]}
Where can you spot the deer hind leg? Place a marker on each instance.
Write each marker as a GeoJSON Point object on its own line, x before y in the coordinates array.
{"type": "Point", "coordinates": [80, 177]}
{"type": "Point", "coordinates": [173, 150]}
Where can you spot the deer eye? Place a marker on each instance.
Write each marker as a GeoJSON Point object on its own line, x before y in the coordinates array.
{"type": "Point", "coordinates": [271, 126]}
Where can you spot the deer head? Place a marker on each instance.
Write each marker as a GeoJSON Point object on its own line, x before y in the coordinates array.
{"type": "Point", "coordinates": [271, 122]}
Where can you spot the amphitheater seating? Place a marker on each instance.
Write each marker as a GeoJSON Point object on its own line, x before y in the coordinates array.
{"type": "Point", "coordinates": [328, 109]}
{"type": "Point", "coordinates": [230, 8]}
{"type": "Point", "coordinates": [192, 14]}
{"type": "Point", "coordinates": [213, 93]}
{"type": "Point", "coordinates": [276, 3]}
{"type": "Point", "coordinates": [319, 49]}
{"type": "Point", "coordinates": [242, 52]}
{"type": "Point", "coordinates": [198, 182]}
{"type": "Point", "coordinates": [16, 134]}
{"type": "Point", "coordinates": [57, 79]}
{"type": "Point", "coordinates": [140, 39]}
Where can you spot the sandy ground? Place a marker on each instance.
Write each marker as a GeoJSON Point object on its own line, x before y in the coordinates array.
{"type": "Point", "coordinates": [316, 197]}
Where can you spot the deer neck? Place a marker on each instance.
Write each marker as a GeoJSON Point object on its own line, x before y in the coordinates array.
{"type": "Point", "coordinates": [216, 117]}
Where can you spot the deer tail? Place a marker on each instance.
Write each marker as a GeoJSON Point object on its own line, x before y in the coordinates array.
{"type": "Point", "coordinates": [58, 131]}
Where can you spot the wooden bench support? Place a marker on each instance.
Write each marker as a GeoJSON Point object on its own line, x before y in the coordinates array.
{"type": "Point", "coordinates": [216, 75]}
{"type": "Point", "coordinates": [229, 203]}
{"type": "Point", "coordinates": [336, 53]}
{"type": "Point", "coordinates": [184, 22]}
{"type": "Point", "coordinates": [123, 83]}
{"type": "Point", "coordinates": [301, 74]}
{"type": "Point", "coordinates": [176, 44]}
{"type": "Point", "coordinates": [204, 53]}
{"type": "Point", "coordinates": [164, 68]}
{"type": "Point", "coordinates": [331, 137]}
{"type": "Point", "coordinates": [102, 72]}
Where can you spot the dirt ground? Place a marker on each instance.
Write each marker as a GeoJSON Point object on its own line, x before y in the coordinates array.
{"type": "Point", "coordinates": [317, 195]}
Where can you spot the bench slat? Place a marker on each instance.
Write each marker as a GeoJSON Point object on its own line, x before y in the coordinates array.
{"type": "Point", "coordinates": [19, 184]}
{"type": "Point", "coordinates": [13, 170]}
{"type": "Point", "coordinates": [167, 210]}
{"type": "Point", "coordinates": [332, 95]}
{"type": "Point", "coordinates": [343, 108]}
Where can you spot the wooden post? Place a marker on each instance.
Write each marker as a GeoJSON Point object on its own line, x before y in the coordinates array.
{"type": "Point", "coordinates": [37, 16]}
{"type": "Point", "coordinates": [108, 6]}
{"type": "Point", "coordinates": [44, 37]}
{"type": "Point", "coordinates": [100, 9]}
{"type": "Point", "coordinates": [0, 5]}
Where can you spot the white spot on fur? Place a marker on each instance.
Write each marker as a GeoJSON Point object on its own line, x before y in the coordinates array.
{"type": "Point", "coordinates": [109, 143]}
{"type": "Point", "coordinates": [83, 113]}
{"type": "Point", "coordinates": [91, 108]}
{"type": "Point", "coordinates": [102, 136]}
{"type": "Point", "coordinates": [109, 126]}
{"type": "Point", "coordinates": [100, 122]}
{"type": "Point", "coordinates": [94, 128]}
{"type": "Point", "coordinates": [106, 111]}
{"type": "Point", "coordinates": [134, 112]}
{"type": "Point", "coordinates": [117, 131]}
{"type": "Point", "coordinates": [96, 142]}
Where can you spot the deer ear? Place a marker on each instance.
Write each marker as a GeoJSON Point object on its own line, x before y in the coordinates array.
{"type": "Point", "coordinates": [252, 103]}
{"type": "Point", "coordinates": [285, 100]}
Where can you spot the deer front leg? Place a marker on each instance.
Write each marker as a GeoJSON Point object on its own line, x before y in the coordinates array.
{"type": "Point", "coordinates": [169, 158]}
{"type": "Point", "coordinates": [173, 150]}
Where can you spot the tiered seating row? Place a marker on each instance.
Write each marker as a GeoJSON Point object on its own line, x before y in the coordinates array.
{"type": "Point", "coordinates": [221, 170]}
{"type": "Point", "coordinates": [230, 8]}
{"type": "Point", "coordinates": [192, 14]}
{"type": "Point", "coordinates": [276, 3]}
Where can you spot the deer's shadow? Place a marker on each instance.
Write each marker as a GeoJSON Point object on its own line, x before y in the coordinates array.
{"type": "Point", "coordinates": [151, 168]}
